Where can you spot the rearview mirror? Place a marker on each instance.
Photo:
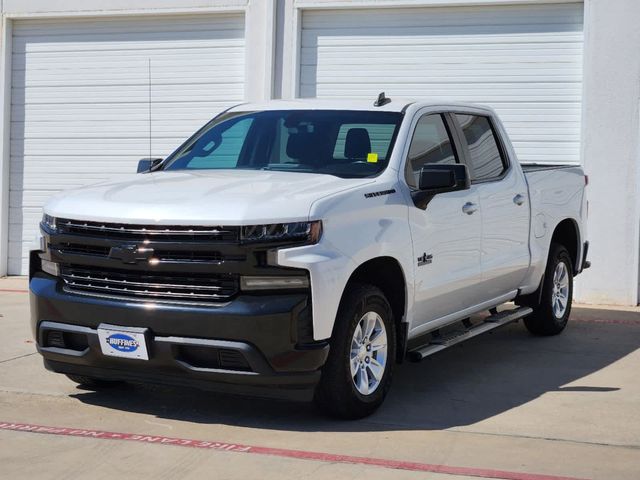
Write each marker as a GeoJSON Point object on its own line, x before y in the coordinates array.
{"type": "Point", "coordinates": [146, 165]}
{"type": "Point", "coordinates": [440, 178]}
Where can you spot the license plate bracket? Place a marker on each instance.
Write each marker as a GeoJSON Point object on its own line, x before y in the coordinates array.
{"type": "Point", "coordinates": [123, 342]}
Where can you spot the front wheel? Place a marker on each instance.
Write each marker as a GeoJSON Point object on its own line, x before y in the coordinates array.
{"type": "Point", "coordinates": [357, 375]}
{"type": "Point", "coordinates": [551, 314]}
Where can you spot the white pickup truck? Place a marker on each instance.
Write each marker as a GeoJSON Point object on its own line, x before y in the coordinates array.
{"type": "Point", "coordinates": [303, 248]}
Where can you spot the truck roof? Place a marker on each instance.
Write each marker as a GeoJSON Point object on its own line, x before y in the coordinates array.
{"type": "Point", "coordinates": [365, 104]}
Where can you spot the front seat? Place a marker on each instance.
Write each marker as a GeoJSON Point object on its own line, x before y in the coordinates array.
{"type": "Point", "coordinates": [357, 144]}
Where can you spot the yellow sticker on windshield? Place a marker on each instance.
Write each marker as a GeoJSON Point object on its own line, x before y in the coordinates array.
{"type": "Point", "coordinates": [372, 158]}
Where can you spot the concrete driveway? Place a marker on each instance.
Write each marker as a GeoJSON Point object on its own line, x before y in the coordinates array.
{"type": "Point", "coordinates": [505, 405]}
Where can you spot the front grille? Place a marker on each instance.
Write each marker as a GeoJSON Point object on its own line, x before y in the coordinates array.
{"type": "Point", "coordinates": [159, 254]}
{"type": "Point", "coordinates": [143, 232]}
{"type": "Point", "coordinates": [156, 264]}
{"type": "Point", "coordinates": [150, 286]}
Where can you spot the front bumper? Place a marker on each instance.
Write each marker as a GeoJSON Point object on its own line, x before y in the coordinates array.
{"type": "Point", "coordinates": [247, 346]}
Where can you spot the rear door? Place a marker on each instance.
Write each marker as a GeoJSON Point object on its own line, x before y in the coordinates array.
{"type": "Point", "coordinates": [504, 208]}
{"type": "Point", "coordinates": [446, 235]}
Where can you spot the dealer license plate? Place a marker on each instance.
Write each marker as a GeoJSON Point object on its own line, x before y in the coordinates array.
{"type": "Point", "coordinates": [124, 342]}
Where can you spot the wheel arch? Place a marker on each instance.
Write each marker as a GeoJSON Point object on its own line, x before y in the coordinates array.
{"type": "Point", "coordinates": [387, 274]}
{"type": "Point", "coordinates": [567, 234]}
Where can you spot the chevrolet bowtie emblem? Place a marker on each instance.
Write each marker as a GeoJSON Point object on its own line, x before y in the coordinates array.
{"type": "Point", "coordinates": [131, 253]}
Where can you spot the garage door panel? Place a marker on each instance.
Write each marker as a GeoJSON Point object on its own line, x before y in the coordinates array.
{"type": "Point", "coordinates": [551, 50]}
{"type": "Point", "coordinates": [137, 74]}
{"type": "Point", "coordinates": [525, 61]}
{"type": "Point", "coordinates": [150, 23]}
{"type": "Point", "coordinates": [436, 16]}
{"type": "Point", "coordinates": [200, 109]}
{"type": "Point", "coordinates": [456, 91]}
{"type": "Point", "coordinates": [80, 101]}
{"type": "Point", "coordinates": [83, 129]}
{"type": "Point", "coordinates": [426, 78]}
{"type": "Point", "coordinates": [50, 62]}
{"type": "Point", "coordinates": [123, 93]}
{"type": "Point", "coordinates": [117, 45]}
{"type": "Point", "coordinates": [84, 146]}
{"type": "Point", "coordinates": [404, 39]}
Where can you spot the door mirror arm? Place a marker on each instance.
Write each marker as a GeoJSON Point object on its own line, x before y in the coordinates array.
{"type": "Point", "coordinates": [435, 179]}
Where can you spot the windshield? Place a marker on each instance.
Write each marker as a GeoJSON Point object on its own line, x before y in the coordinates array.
{"type": "Point", "coordinates": [341, 143]}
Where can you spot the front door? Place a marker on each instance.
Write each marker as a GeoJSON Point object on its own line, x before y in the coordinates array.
{"type": "Point", "coordinates": [446, 235]}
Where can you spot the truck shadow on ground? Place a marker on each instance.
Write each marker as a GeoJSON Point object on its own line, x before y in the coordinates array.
{"type": "Point", "coordinates": [477, 380]}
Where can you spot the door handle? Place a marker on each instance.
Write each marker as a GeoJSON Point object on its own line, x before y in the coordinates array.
{"type": "Point", "coordinates": [519, 199]}
{"type": "Point", "coordinates": [469, 208]}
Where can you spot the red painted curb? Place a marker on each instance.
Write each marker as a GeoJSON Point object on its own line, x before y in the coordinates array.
{"type": "Point", "coordinates": [281, 452]}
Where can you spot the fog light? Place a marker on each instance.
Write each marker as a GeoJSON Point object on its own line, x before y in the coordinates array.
{"type": "Point", "coordinates": [55, 338]}
{"type": "Point", "coordinates": [270, 283]}
{"type": "Point", "coordinates": [51, 268]}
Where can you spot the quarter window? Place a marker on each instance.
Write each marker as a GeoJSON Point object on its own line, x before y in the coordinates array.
{"type": "Point", "coordinates": [486, 159]}
{"type": "Point", "coordinates": [431, 143]}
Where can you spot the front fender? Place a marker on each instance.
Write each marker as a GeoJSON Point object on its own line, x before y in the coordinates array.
{"type": "Point", "coordinates": [356, 228]}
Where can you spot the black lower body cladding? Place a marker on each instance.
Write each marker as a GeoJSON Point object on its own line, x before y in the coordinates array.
{"type": "Point", "coordinates": [249, 346]}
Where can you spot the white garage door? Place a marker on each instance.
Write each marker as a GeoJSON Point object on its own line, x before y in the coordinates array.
{"type": "Point", "coordinates": [525, 61]}
{"type": "Point", "coordinates": [80, 101]}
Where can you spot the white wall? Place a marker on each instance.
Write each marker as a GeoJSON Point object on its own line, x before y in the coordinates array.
{"type": "Point", "coordinates": [611, 150]}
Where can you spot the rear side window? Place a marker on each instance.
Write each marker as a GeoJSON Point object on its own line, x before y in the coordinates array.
{"type": "Point", "coordinates": [486, 158]}
{"type": "Point", "coordinates": [430, 143]}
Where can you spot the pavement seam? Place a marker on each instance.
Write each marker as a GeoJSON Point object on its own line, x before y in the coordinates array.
{"type": "Point", "coordinates": [18, 357]}
{"type": "Point", "coordinates": [550, 439]}
{"type": "Point", "coordinates": [511, 435]}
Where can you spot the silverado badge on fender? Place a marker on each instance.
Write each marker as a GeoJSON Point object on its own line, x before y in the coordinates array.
{"type": "Point", "coordinates": [425, 259]}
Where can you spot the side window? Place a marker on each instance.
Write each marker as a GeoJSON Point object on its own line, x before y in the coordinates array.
{"type": "Point", "coordinates": [431, 143]}
{"type": "Point", "coordinates": [486, 159]}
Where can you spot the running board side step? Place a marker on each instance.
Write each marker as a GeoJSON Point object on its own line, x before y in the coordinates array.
{"type": "Point", "coordinates": [492, 322]}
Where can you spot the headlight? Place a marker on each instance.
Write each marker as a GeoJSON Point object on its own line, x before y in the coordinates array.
{"type": "Point", "coordinates": [49, 222]}
{"type": "Point", "coordinates": [307, 232]}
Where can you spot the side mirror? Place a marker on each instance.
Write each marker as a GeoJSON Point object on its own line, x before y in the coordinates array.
{"type": "Point", "coordinates": [146, 165]}
{"type": "Point", "coordinates": [436, 178]}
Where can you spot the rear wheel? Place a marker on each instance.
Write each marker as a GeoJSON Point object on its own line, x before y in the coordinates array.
{"type": "Point", "coordinates": [357, 375]}
{"type": "Point", "coordinates": [551, 314]}
{"type": "Point", "coordinates": [91, 382]}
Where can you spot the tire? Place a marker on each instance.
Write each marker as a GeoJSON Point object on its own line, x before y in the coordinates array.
{"type": "Point", "coordinates": [93, 383]}
{"type": "Point", "coordinates": [547, 317]}
{"type": "Point", "coordinates": [337, 394]}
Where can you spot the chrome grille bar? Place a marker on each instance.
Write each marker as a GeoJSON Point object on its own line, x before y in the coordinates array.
{"type": "Point", "coordinates": [136, 231]}
{"type": "Point", "coordinates": [153, 286]}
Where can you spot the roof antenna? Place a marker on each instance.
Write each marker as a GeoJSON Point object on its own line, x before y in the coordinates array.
{"type": "Point", "coordinates": [381, 101]}
{"type": "Point", "coordinates": [150, 150]}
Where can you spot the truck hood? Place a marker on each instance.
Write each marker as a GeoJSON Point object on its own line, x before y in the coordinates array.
{"type": "Point", "coordinates": [238, 197]}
